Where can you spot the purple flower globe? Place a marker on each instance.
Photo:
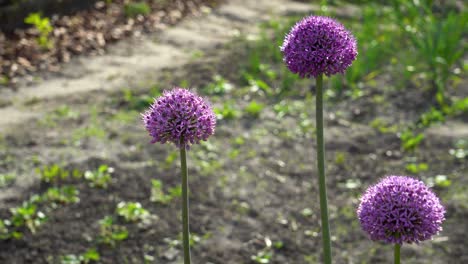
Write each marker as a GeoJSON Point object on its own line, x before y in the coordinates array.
{"type": "Point", "coordinates": [400, 209]}
{"type": "Point", "coordinates": [181, 117]}
{"type": "Point", "coordinates": [318, 45]}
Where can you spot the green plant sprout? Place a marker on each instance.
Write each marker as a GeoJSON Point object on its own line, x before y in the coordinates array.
{"type": "Point", "coordinates": [431, 117]}
{"type": "Point", "coordinates": [89, 256]}
{"type": "Point", "coordinates": [132, 211]}
{"type": "Point", "coordinates": [6, 179]}
{"type": "Point", "coordinates": [42, 24]}
{"type": "Point", "coordinates": [93, 129]}
{"type": "Point", "coordinates": [227, 111]}
{"type": "Point", "coordinates": [460, 151]}
{"type": "Point", "coordinates": [5, 233]}
{"type": "Point", "coordinates": [266, 254]}
{"type": "Point", "coordinates": [137, 102]}
{"type": "Point", "coordinates": [218, 86]}
{"type": "Point", "coordinates": [263, 256]}
{"type": "Point", "coordinates": [254, 108]}
{"type": "Point", "coordinates": [53, 173]}
{"type": "Point", "coordinates": [417, 167]}
{"type": "Point", "coordinates": [158, 195]}
{"type": "Point", "coordinates": [27, 215]}
{"type": "Point", "coordinates": [133, 9]}
{"type": "Point", "coordinates": [63, 112]}
{"type": "Point", "coordinates": [410, 141]}
{"type": "Point", "coordinates": [258, 86]}
{"type": "Point", "coordinates": [62, 195]}
{"type": "Point", "coordinates": [110, 233]}
{"type": "Point", "coordinates": [99, 178]}
{"type": "Point", "coordinates": [439, 181]}
{"type": "Point", "coordinates": [383, 126]}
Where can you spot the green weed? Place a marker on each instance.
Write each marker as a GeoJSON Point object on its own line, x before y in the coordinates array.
{"type": "Point", "coordinates": [138, 102]}
{"type": "Point", "coordinates": [171, 159]}
{"type": "Point", "coordinates": [410, 141]}
{"type": "Point", "coordinates": [431, 117]}
{"type": "Point", "coordinates": [63, 112]}
{"type": "Point", "coordinates": [306, 212]}
{"type": "Point", "coordinates": [227, 111]}
{"type": "Point", "coordinates": [54, 173]}
{"type": "Point", "coordinates": [27, 215]}
{"type": "Point", "coordinates": [457, 107]}
{"type": "Point", "coordinates": [196, 54]}
{"type": "Point", "coordinates": [263, 256]}
{"type": "Point", "coordinates": [134, 9]}
{"type": "Point", "coordinates": [440, 181]}
{"type": "Point", "coordinates": [110, 233]}
{"type": "Point", "coordinates": [4, 80]}
{"type": "Point", "coordinates": [42, 24]}
{"type": "Point", "coordinates": [351, 184]}
{"type": "Point", "coordinates": [382, 126]}
{"type": "Point", "coordinates": [6, 179]}
{"type": "Point", "coordinates": [218, 86]}
{"type": "Point", "coordinates": [416, 168]}
{"type": "Point", "coordinates": [93, 129]}
{"type": "Point", "coordinates": [4, 232]}
{"type": "Point", "coordinates": [257, 85]}
{"type": "Point", "coordinates": [461, 149]}
{"type": "Point", "coordinates": [158, 195]}
{"type": "Point", "coordinates": [89, 256]}
{"type": "Point", "coordinates": [437, 40]}
{"type": "Point", "coordinates": [254, 108]}
{"type": "Point", "coordinates": [266, 254]}
{"type": "Point", "coordinates": [99, 178]}
{"type": "Point", "coordinates": [132, 211]}
{"type": "Point", "coordinates": [340, 158]}
{"type": "Point", "coordinates": [62, 195]}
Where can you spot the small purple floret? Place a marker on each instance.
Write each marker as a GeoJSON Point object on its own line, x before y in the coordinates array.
{"type": "Point", "coordinates": [181, 117]}
{"type": "Point", "coordinates": [318, 45]}
{"type": "Point", "coordinates": [399, 210]}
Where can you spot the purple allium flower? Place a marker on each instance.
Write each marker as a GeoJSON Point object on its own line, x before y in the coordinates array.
{"type": "Point", "coordinates": [179, 116]}
{"type": "Point", "coordinates": [317, 45]}
{"type": "Point", "coordinates": [400, 209]}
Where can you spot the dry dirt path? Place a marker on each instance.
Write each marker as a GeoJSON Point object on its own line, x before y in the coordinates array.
{"type": "Point", "coordinates": [137, 58]}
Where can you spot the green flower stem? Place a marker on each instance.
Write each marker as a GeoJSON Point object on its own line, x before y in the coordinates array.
{"type": "Point", "coordinates": [321, 169]}
{"type": "Point", "coordinates": [185, 204]}
{"type": "Point", "coordinates": [397, 253]}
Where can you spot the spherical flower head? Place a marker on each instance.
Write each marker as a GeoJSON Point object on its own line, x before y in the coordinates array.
{"type": "Point", "coordinates": [400, 209]}
{"type": "Point", "coordinates": [318, 45]}
{"type": "Point", "coordinates": [179, 116]}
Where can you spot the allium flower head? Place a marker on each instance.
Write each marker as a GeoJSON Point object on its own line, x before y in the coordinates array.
{"type": "Point", "coordinates": [318, 45]}
{"type": "Point", "coordinates": [179, 116]}
{"type": "Point", "coordinates": [400, 209]}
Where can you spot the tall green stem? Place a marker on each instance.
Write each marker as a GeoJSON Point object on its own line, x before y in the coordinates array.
{"type": "Point", "coordinates": [185, 204]}
{"type": "Point", "coordinates": [321, 170]}
{"type": "Point", "coordinates": [397, 253]}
